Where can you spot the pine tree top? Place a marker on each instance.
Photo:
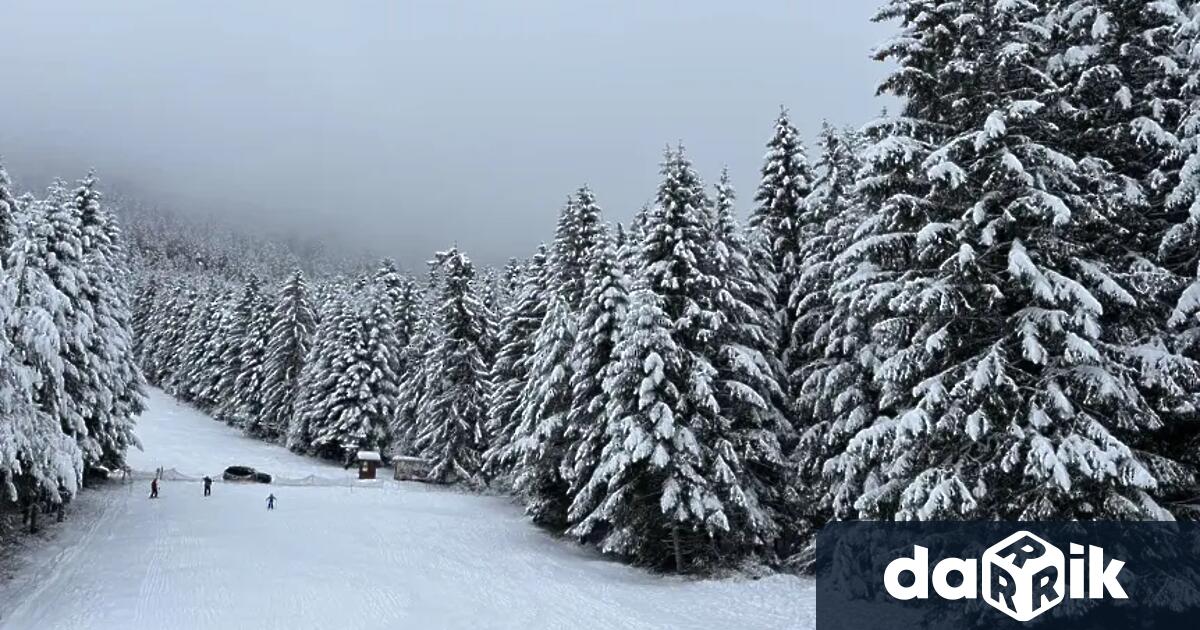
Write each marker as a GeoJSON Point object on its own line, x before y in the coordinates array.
{"type": "Point", "coordinates": [786, 179]}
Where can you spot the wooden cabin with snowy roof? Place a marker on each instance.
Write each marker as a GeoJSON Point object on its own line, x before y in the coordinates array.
{"type": "Point", "coordinates": [367, 461]}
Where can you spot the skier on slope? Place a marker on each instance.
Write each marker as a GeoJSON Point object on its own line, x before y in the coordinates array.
{"type": "Point", "coordinates": [271, 502]}
{"type": "Point", "coordinates": [154, 488]}
{"type": "Point", "coordinates": [207, 485]}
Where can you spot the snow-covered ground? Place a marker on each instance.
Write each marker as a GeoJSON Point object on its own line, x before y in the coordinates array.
{"type": "Point", "coordinates": [387, 555]}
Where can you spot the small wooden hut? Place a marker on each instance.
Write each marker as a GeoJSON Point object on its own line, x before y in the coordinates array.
{"type": "Point", "coordinates": [367, 461]}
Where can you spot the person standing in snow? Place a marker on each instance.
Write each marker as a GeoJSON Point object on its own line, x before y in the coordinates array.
{"type": "Point", "coordinates": [271, 502]}
{"type": "Point", "coordinates": [207, 485]}
{"type": "Point", "coordinates": [154, 488]}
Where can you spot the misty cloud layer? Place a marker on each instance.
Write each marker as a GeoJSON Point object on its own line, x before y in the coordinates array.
{"type": "Point", "coordinates": [408, 125]}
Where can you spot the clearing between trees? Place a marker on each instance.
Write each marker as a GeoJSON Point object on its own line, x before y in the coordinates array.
{"type": "Point", "coordinates": [385, 554]}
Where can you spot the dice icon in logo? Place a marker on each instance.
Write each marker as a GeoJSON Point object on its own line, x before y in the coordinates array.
{"type": "Point", "coordinates": [1023, 576]}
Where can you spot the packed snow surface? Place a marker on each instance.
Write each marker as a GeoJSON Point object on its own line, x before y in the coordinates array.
{"type": "Point", "coordinates": [338, 553]}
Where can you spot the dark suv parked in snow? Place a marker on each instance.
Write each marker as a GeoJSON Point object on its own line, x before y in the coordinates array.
{"type": "Point", "coordinates": [245, 473]}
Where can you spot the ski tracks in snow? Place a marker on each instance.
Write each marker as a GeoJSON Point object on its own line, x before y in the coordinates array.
{"type": "Point", "coordinates": [60, 570]}
{"type": "Point", "coordinates": [385, 554]}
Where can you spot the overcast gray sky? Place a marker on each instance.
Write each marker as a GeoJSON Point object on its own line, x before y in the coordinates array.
{"type": "Point", "coordinates": [410, 124]}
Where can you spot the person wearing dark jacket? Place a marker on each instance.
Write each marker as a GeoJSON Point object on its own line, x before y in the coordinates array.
{"type": "Point", "coordinates": [154, 488]}
{"type": "Point", "coordinates": [207, 485]}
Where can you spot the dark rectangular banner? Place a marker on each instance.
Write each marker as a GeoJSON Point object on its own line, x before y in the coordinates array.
{"type": "Point", "coordinates": [1001, 575]}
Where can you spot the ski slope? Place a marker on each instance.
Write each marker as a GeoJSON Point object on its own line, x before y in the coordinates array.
{"type": "Point", "coordinates": [340, 554]}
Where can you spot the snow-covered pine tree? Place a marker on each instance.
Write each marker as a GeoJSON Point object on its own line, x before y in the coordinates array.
{"type": "Point", "coordinates": [674, 258]}
{"type": "Point", "coordinates": [629, 242]}
{"type": "Point", "coordinates": [363, 402]}
{"type": "Point", "coordinates": [153, 309]}
{"type": "Point", "coordinates": [417, 379]}
{"type": "Point", "coordinates": [128, 383]}
{"type": "Point", "coordinates": [217, 376]}
{"type": "Point", "coordinates": [411, 315]}
{"type": "Point", "coordinates": [1128, 76]}
{"type": "Point", "coordinates": [338, 406]}
{"type": "Point", "coordinates": [10, 222]}
{"type": "Point", "coordinates": [642, 496]}
{"type": "Point", "coordinates": [198, 331]}
{"type": "Point", "coordinates": [676, 250]}
{"type": "Point", "coordinates": [579, 230]}
{"type": "Point", "coordinates": [318, 376]}
{"type": "Point", "coordinates": [1001, 395]}
{"type": "Point", "coordinates": [39, 462]}
{"type": "Point", "coordinates": [663, 480]}
{"type": "Point", "coordinates": [832, 381]}
{"type": "Point", "coordinates": [209, 390]}
{"type": "Point", "coordinates": [383, 343]}
{"type": "Point", "coordinates": [593, 358]}
{"type": "Point", "coordinates": [417, 356]}
{"type": "Point", "coordinates": [781, 224]}
{"type": "Point", "coordinates": [179, 314]}
{"type": "Point", "coordinates": [539, 443]}
{"type": "Point", "coordinates": [509, 371]}
{"type": "Point", "coordinates": [1129, 81]}
{"type": "Point", "coordinates": [1120, 62]}
{"type": "Point", "coordinates": [510, 281]}
{"type": "Point", "coordinates": [112, 382]}
{"type": "Point", "coordinates": [144, 304]}
{"type": "Point", "coordinates": [620, 240]}
{"type": "Point", "coordinates": [405, 299]}
{"type": "Point", "coordinates": [454, 413]}
{"type": "Point", "coordinates": [893, 181]}
{"type": "Point", "coordinates": [489, 297]}
{"type": "Point", "coordinates": [244, 340]}
{"type": "Point", "coordinates": [749, 469]}
{"type": "Point", "coordinates": [1179, 175]}
{"type": "Point", "coordinates": [289, 340]}
{"type": "Point", "coordinates": [397, 291]}
{"type": "Point", "coordinates": [55, 247]}
{"type": "Point", "coordinates": [249, 385]}
{"type": "Point", "coordinates": [37, 459]}
{"type": "Point", "coordinates": [835, 209]}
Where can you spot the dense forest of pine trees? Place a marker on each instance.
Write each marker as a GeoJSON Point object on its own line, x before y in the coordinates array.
{"type": "Point", "coordinates": [70, 384]}
{"type": "Point", "coordinates": [983, 305]}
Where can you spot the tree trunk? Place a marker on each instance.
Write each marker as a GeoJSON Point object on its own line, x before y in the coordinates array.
{"type": "Point", "coordinates": [678, 551]}
{"type": "Point", "coordinates": [33, 512]}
